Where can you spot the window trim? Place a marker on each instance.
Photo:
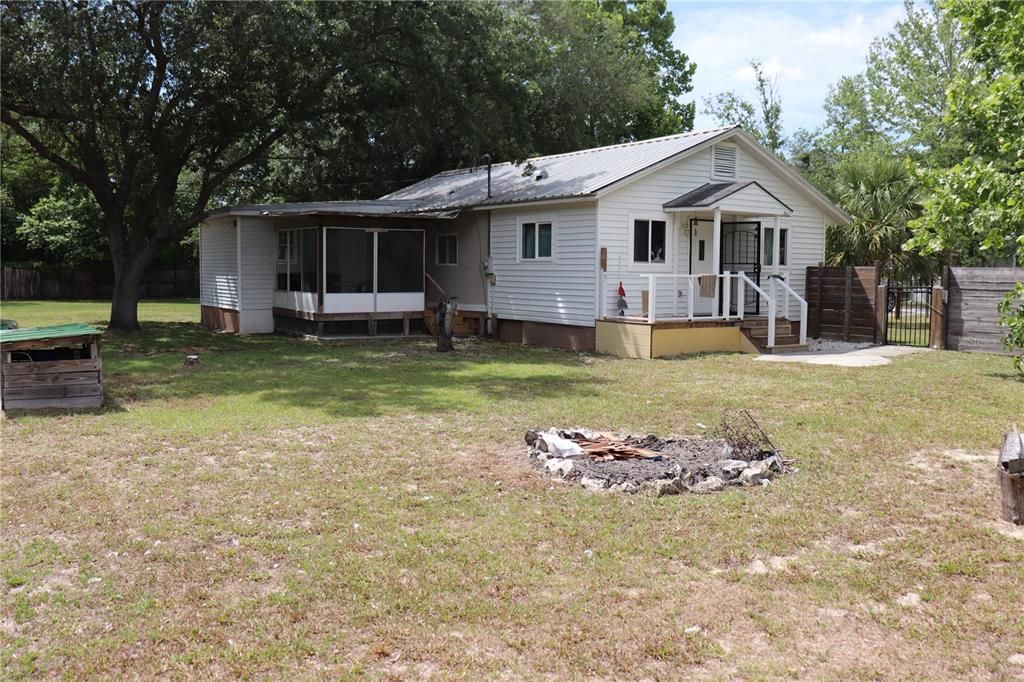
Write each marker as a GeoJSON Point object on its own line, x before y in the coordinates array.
{"type": "Point", "coordinates": [669, 241]}
{"type": "Point", "coordinates": [437, 250]}
{"type": "Point", "coordinates": [536, 221]}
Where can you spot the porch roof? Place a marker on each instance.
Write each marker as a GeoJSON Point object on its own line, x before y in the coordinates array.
{"type": "Point", "coordinates": [743, 196]}
{"type": "Point", "coordinates": [374, 208]}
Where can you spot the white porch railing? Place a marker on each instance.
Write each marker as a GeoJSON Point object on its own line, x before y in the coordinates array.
{"type": "Point", "coordinates": [653, 297]}
{"type": "Point", "coordinates": [803, 305]}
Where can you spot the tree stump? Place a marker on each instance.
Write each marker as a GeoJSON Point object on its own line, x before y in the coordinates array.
{"type": "Point", "coordinates": [1012, 488]}
{"type": "Point", "coordinates": [1011, 476]}
{"type": "Point", "coordinates": [445, 324]}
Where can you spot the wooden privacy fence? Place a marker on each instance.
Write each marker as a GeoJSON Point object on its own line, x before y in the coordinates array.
{"type": "Point", "coordinates": [843, 303]}
{"type": "Point", "coordinates": [972, 317]}
{"type": "Point", "coordinates": [81, 283]}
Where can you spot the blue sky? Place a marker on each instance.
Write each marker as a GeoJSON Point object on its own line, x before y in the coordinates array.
{"type": "Point", "coordinates": [808, 45]}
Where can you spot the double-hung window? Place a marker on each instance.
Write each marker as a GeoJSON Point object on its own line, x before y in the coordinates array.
{"type": "Point", "coordinates": [447, 249]}
{"type": "Point", "coordinates": [649, 241]}
{"type": "Point", "coordinates": [535, 240]}
{"type": "Point", "coordinates": [769, 246]}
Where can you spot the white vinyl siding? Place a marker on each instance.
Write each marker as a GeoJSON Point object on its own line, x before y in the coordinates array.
{"type": "Point", "coordinates": [465, 280]}
{"type": "Point", "coordinates": [258, 249]}
{"type": "Point", "coordinates": [559, 290]}
{"type": "Point", "coordinates": [751, 199]}
{"type": "Point", "coordinates": [805, 239]}
{"type": "Point", "coordinates": [218, 258]}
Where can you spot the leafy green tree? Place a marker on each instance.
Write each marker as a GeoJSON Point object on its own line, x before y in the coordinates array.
{"type": "Point", "coordinates": [125, 97]}
{"type": "Point", "coordinates": [975, 210]}
{"type": "Point", "coordinates": [881, 196]}
{"type": "Point", "coordinates": [909, 71]}
{"type": "Point", "coordinates": [762, 119]}
{"type": "Point", "coordinates": [1011, 315]}
{"type": "Point", "coordinates": [649, 27]}
{"type": "Point", "coordinates": [66, 225]}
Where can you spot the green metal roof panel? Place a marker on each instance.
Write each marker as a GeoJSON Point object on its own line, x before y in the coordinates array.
{"type": "Point", "coordinates": [43, 333]}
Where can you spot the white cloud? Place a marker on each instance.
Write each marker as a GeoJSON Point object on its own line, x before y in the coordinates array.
{"type": "Point", "coordinates": [806, 46]}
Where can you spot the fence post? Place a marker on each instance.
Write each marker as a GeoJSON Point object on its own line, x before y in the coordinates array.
{"type": "Point", "coordinates": [817, 323]}
{"type": "Point", "coordinates": [881, 312]}
{"type": "Point", "coordinates": [847, 302]}
{"type": "Point", "coordinates": [937, 333]}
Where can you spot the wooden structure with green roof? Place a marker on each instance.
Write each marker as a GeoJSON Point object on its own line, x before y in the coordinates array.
{"type": "Point", "coordinates": [55, 367]}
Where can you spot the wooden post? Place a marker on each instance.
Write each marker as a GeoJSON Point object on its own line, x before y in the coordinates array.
{"type": "Point", "coordinates": [937, 333]}
{"type": "Point", "coordinates": [817, 327]}
{"type": "Point", "coordinates": [881, 313]}
{"type": "Point", "coordinates": [1011, 486]}
{"type": "Point", "coordinates": [847, 302]}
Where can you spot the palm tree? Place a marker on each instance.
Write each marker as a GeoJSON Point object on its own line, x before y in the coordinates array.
{"type": "Point", "coordinates": [881, 196]}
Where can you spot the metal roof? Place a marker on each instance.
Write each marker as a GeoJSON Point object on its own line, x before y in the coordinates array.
{"type": "Point", "coordinates": [572, 175]}
{"type": "Point", "coordinates": [46, 333]}
{"type": "Point", "coordinates": [711, 193]}
{"type": "Point", "coordinates": [378, 207]}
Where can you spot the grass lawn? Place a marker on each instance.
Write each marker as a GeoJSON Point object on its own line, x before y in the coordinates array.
{"type": "Point", "coordinates": [293, 509]}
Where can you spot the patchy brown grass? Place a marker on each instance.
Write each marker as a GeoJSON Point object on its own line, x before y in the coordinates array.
{"type": "Point", "coordinates": [302, 510]}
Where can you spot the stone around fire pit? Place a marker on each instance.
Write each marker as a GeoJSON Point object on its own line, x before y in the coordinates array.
{"type": "Point", "coordinates": [652, 465]}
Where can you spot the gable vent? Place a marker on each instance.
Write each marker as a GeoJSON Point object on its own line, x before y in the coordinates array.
{"type": "Point", "coordinates": [723, 162]}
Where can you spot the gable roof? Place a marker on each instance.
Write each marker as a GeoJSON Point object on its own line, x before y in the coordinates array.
{"type": "Point", "coordinates": [711, 193]}
{"type": "Point", "coordinates": [589, 173]}
{"type": "Point", "coordinates": [579, 174]}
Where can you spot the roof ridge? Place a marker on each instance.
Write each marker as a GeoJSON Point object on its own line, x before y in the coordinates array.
{"type": "Point", "coordinates": [635, 142]}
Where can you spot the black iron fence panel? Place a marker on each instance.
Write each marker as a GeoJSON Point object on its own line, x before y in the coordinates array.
{"type": "Point", "coordinates": [908, 319]}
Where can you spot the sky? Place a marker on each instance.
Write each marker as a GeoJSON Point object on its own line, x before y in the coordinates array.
{"type": "Point", "coordinates": [807, 45]}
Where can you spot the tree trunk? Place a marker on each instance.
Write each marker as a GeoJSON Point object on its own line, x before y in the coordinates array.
{"type": "Point", "coordinates": [445, 320]}
{"type": "Point", "coordinates": [124, 305]}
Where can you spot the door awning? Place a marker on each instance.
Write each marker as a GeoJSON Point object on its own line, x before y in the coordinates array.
{"type": "Point", "coordinates": [746, 197]}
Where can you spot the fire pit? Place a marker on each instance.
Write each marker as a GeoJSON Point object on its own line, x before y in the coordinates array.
{"type": "Point", "coordinates": [738, 453]}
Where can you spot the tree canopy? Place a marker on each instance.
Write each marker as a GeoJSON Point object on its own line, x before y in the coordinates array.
{"type": "Point", "coordinates": [149, 112]}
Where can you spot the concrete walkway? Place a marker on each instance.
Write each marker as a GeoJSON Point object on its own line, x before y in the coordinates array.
{"type": "Point", "coordinates": [872, 356]}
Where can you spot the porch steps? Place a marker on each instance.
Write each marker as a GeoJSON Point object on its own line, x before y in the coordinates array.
{"type": "Point", "coordinates": [787, 335]}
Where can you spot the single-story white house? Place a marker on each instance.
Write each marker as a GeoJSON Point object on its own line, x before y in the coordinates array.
{"type": "Point", "coordinates": [708, 234]}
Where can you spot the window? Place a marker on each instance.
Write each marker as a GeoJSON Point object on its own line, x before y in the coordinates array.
{"type": "Point", "coordinates": [296, 260]}
{"type": "Point", "coordinates": [769, 245]}
{"type": "Point", "coordinates": [284, 239]}
{"type": "Point", "coordinates": [649, 241]}
{"type": "Point", "coordinates": [700, 250]}
{"type": "Point", "coordinates": [535, 241]}
{"type": "Point", "coordinates": [349, 261]}
{"type": "Point", "coordinates": [723, 162]}
{"type": "Point", "coordinates": [400, 261]}
{"type": "Point", "coordinates": [446, 249]}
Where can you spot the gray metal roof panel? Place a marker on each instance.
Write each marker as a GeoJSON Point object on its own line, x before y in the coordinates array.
{"type": "Point", "coordinates": [574, 174]}
{"type": "Point", "coordinates": [407, 209]}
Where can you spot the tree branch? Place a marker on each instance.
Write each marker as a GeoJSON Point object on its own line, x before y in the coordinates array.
{"type": "Point", "coordinates": [40, 148]}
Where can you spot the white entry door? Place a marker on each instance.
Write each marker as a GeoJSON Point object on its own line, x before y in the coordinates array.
{"type": "Point", "coordinates": [701, 240]}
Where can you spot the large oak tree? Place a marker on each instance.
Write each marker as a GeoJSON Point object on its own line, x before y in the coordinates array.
{"type": "Point", "coordinates": [128, 98]}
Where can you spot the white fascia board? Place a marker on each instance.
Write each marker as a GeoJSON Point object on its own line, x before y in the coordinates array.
{"type": "Point", "coordinates": [582, 199]}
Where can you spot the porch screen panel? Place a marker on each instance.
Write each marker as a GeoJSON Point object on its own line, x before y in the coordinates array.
{"type": "Point", "coordinates": [400, 261]}
{"type": "Point", "coordinates": [307, 259]}
{"type": "Point", "coordinates": [349, 262]}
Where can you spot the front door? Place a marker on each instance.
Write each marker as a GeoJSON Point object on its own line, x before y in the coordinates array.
{"type": "Point", "coordinates": [701, 235]}
{"type": "Point", "coordinates": [741, 250]}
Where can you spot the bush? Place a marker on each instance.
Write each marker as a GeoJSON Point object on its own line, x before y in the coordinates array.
{"type": "Point", "coordinates": [1011, 315]}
